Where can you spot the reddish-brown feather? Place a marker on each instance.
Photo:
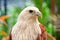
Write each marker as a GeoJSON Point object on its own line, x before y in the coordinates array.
{"type": "Point", "coordinates": [43, 35]}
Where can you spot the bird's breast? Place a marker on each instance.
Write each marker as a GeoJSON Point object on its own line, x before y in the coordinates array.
{"type": "Point", "coordinates": [29, 32]}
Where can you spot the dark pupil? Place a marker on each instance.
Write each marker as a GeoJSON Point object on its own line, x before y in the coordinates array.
{"type": "Point", "coordinates": [30, 11]}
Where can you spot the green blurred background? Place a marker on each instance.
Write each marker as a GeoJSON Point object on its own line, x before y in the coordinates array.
{"type": "Point", "coordinates": [10, 9]}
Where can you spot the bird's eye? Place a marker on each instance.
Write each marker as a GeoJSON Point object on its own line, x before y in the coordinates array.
{"type": "Point", "coordinates": [30, 11]}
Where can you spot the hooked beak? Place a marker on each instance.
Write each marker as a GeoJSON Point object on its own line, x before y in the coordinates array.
{"type": "Point", "coordinates": [39, 14]}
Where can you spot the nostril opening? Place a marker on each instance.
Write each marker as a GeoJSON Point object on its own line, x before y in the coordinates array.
{"type": "Point", "coordinates": [38, 12]}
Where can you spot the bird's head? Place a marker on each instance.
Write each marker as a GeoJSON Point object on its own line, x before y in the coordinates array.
{"type": "Point", "coordinates": [30, 13]}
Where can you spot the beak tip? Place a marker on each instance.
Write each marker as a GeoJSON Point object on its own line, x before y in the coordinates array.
{"type": "Point", "coordinates": [40, 15]}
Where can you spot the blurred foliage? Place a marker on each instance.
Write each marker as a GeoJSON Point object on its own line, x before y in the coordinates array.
{"type": "Point", "coordinates": [13, 16]}
{"type": "Point", "coordinates": [57, 2]}
{"type": "Point", "coordinates": [38, 3]}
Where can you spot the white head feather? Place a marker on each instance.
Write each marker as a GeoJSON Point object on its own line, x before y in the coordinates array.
{"type": "Point", "coordinates": [26, 15]}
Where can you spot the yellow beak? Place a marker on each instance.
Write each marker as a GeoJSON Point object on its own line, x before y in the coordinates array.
{"type": "Point", "coordinates": [39, 14]}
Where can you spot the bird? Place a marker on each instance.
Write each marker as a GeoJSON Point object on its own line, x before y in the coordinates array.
{"type": "Point", "coordinates": [27, 25]}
